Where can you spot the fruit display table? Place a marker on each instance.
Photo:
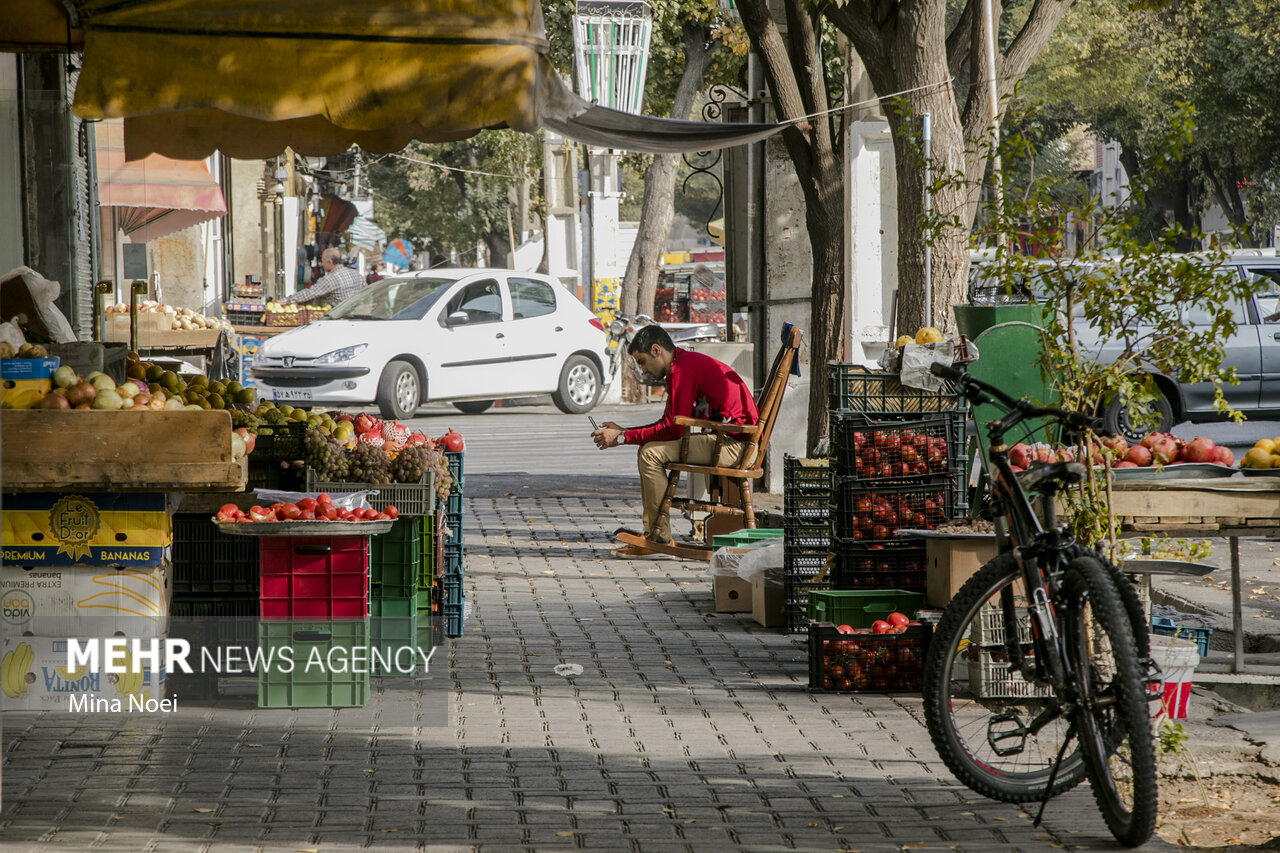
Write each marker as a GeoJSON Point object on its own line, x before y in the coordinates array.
{"type": "Point", "coordinates": [118, 451]}
{"type": "Point", "coordinates": [1228, 507]}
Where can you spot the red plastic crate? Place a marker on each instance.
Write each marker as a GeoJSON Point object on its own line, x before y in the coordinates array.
{"type": "Point", "coordinates": [313, 577]}
{"type": "Point", "coordinates": [875, 663]}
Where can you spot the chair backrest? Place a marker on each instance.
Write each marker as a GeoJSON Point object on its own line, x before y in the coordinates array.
{"type": "Point", "coordinates": [770, 399]}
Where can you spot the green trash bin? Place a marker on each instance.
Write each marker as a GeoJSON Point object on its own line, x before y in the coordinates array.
{"type": "Point", "coordinates": [1009, 339]}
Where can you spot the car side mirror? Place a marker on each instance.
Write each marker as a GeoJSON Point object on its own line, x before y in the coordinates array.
{"type": "Point", "coordinates": [457, 318]}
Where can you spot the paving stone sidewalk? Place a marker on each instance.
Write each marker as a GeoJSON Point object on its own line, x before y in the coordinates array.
{"type": "Point", "coordinates": [685, 731]}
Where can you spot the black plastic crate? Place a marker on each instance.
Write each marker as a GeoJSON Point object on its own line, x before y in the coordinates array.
{"type": "Point", "coordinates": [208, 620]}
{"type": "Point", "coordinates": [207, 561]}
{"type": "Point", "coordinates": [239, 317]}
{"type": "Point", "coordinates": [281, 442]}
{"type": "Point", "coordinates": [898, 564]}
{"type": "Point", "coordinates": [877, 448]}
{"type": "Point", "coordinates": [803, 476]}
{"type": "Point", "coordinates": [871, 663]}
{"type": "Point", "coordinates": [855, 388]}
{"type": "Point", "coordinates": [871, 512]}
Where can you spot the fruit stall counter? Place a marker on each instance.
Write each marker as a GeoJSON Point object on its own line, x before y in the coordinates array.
{"type": "Point", "coordinates": [1227, 507]}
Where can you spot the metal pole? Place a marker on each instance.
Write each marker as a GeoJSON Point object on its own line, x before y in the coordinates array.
{"type": "Point", "coordinates": [1237, 609]}
{"type": "Point", "coordinates": [926, 134]}
{"type": "Point", "coordinates": [989, 34]}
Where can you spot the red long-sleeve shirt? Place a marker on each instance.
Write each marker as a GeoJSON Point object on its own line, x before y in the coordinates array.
{"type": "Point", "coordinates": [700, 386]}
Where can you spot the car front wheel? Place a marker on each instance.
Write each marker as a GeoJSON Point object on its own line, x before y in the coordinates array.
{"type": "Point", "coordinates": [398, 391]}
{"type": "Point", "coordinates": [1135, 422]}
{"type": "Point", "coordinates": [579, 386]}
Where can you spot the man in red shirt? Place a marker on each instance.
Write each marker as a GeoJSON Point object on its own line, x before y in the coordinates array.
{"type": "Point", "coordinates": [697, 385]}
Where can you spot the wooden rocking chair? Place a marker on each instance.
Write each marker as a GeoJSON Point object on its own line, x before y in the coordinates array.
{"type": "Point", "coordinates": [749, 465]}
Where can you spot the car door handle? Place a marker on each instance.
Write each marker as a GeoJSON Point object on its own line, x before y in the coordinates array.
{"type": "Point", "coordinates": [1276, 336]}
{"type": "Point", "coordinates": [499, 335]}
{"type": "Point", "coordinates": [561, 329]}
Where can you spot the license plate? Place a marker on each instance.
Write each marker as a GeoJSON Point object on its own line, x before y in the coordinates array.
{"type": "Point", "coordinates": [291, 395]}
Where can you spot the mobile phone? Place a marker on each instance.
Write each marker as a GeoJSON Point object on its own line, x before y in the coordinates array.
{"type": "Point", "coordinates": [594, 425]}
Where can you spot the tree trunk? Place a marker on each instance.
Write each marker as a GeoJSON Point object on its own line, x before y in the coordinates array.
{"type": "Point", "coordinates": [657, 210]}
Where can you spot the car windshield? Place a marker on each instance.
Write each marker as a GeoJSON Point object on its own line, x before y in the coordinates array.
{"type": "Point", "coordinates": [392, 299]}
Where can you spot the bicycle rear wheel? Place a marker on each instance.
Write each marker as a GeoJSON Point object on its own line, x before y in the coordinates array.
{"type": "Point", "coordinates": [978, 706]}
{"type": "Point", "coordinates": [1113, 720]}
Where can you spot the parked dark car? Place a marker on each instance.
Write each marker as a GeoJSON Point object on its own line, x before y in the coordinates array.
{"type": "Point", "coordinates": [1254, 349]}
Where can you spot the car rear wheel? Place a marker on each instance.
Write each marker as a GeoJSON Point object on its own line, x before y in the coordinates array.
{"type": "Point", "coordinates": [472, 407]}
{"type": "Point", "coordinates": [399, 392]}
{"type": "Point", "coordinates": [579, 386]}
{"type": "Point", "coordinates": [1130, 422]}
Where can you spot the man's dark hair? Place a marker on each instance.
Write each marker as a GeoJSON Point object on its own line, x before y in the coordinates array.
{"type": "Point", "coordinates": [647, 336]}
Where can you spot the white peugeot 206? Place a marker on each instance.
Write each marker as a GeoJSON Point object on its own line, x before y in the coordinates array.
{"type": "Point", "coordinates": [465, 336]}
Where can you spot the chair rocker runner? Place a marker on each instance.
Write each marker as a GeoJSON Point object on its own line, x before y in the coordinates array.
{"type": "Point", "coordinates": [749, 465]}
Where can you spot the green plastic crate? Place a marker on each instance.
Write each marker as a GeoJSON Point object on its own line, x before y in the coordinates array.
{"type": "Point", "coordinates": [393, 625]}
{"type": "Point", "coordinates": [858, 608]}
{"type": "Point", "coordinates": [427, 561]}
{"type": "Point", "coordinates": [740, 538]}
{"type": "Point", "coordinates": [395, 559]}
{"type": "Point", "coordinates": [315, 687]}
{"type": "Point", "coordinates": [425, 636]}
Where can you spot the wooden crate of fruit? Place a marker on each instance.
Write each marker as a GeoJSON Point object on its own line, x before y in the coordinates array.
{"type": "Point", "coordinates": [55, 451]}
{"type": "Point", "coordinates": [155, 330]}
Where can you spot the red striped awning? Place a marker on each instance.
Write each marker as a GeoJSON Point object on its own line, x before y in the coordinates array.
{"type": "Point", "coordinates": [153, 196]}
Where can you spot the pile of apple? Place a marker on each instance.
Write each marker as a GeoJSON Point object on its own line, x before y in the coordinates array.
{"type": "Point", "coordinates": [876, 516]}
{"type": "Point", "coordinates": [319, 508]}
{"type": "Point", "coordinates": [894, 623]}
{"type": "Point", "coordinates": [881, 454]}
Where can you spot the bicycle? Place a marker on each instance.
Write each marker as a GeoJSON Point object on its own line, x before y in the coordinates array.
{"type": "Point", "coordinates": [1039, 672]}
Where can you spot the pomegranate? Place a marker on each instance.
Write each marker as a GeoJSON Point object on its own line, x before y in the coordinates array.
{"type": "Point", "coordinates": [1125, 463]}
{"type": "Point", "coordinates": [880, 627]}
{"type": "Point", "coordinates": [1020, 455]}
{"type": "Point", "coordinates": [1139, 456]}
{"type": "Point", "coordinates": [1117, 445]}
{"type": "Point", "coordinates": [1224, 456]}
{"type": "Point", "coordinates": [1149, 440]}
{"type": "Point", "coordinates": [1199, 449]}
{"type": "Point", "coordinates": [1165, 450]}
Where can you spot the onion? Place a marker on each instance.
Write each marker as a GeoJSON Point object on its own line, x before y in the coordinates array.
{"type": "Point", "coordinates": [55, 401]}
{"type": "Point", "coordinates": [82, 393]}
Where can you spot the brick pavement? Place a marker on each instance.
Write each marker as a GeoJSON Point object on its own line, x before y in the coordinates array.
{"type": "Point", "coordinates": [685, 731]}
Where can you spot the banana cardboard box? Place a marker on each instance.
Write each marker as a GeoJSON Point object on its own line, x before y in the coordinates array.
{"type": "Point", "coordinates": [24, 382]}
{"type": "Point", "coordinates": [84, 602]}
{"type": "Point", "coordinates": [34, 677]}
{"type": "Point", "coordinates": [90, 529]}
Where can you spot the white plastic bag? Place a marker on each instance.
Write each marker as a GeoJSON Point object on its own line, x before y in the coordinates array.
{"type": "Point", "coordinates": [350, 500]}
{"type": "Point", "coordinates": [25, 291]}
{"type": "Point", "coordinates": [917, 359]}
{"type": "Point", "coordinates": [766, 560]}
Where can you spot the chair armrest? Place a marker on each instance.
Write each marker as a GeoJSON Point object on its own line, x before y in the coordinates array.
{"type": "Point", "coordinates": [719, 426]}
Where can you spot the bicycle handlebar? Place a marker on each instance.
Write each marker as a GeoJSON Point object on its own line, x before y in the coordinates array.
{"type": "Point", "coordinates": [977, 391]}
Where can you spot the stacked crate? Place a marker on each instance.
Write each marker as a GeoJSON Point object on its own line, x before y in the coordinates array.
{"type": "Point", "coordinates": [806, 508]}
{"type": "Point", "coordinates": [276, 452]}
{"type": "Point", "coordinates": [897, 462]}
{"type": "Point", "coordinates": [215, 586]}
{"type": "Point", "coordinates": [313, 601]}
{"type": "Point", "coordinates": [452, 599]}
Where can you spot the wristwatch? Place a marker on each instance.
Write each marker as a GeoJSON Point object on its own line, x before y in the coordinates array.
{"type": "Point", "coordinates": [621, 439]}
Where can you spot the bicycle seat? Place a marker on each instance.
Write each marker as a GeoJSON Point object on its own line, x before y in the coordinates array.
{"type": "Point", "coordinates": [1038, 475]}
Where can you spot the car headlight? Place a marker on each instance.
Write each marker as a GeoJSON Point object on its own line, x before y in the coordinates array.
{"type": "Point", "coordinates": [344, 354]}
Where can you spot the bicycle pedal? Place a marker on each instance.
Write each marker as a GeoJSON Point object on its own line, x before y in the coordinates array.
{"type": "Point", "coordinates": [1153, 679]}
{"type": "Point", "coordinates": [1006, 734]}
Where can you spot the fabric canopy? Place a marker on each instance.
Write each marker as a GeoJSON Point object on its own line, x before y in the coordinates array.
{"type": "Point", "coordinates": [154, 196]}
{"type": "Point", "coordinates": [252, 78]}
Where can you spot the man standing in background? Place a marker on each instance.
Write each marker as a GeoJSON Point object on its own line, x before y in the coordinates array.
{"type": "Point", "coordinates": [338, 282]}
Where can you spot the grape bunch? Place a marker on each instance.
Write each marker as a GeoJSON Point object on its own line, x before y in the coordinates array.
{"type": "Point", "coordinates": [326, 456]}
{"type": "Point", "coordinates": [443, 476]}
{"type": "Point", "coordinates": [368, 464]}
{"type": "Point", "coordinates": [415, 460]}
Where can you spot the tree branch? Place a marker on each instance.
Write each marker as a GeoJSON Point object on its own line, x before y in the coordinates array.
{"type": "Point", "coordinates": [869, 38]}
{"type": "Point", "coordinates": [1030, 41]}
{"type": "Point", "coordinates": [959, 49]}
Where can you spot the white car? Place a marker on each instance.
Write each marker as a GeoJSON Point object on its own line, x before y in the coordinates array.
{"type": "Point", "coordinates": [467, 336]}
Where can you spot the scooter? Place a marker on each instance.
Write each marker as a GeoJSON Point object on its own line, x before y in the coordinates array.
{"type": "Point", "coordinates": [623, 329]}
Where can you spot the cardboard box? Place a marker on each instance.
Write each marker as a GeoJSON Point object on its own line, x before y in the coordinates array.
{"type": "Point", "coordinates": [82, 602]}
{"type": "Point", "coordinates": [952, 560]}
{"type": "Point", "coordinates": [767, 597]}
{"type": "Point", "coordinates": [733, 594]}
{"type": "Point", "coordinates": [36, 678]}
{"type": "Point", "coordinates": [46, 529]}
{"type": "Point", "coordinates": [24, 382]}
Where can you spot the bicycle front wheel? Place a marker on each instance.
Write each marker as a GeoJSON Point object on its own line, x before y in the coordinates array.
{"type": "Point", "coordinates": [997, 731]}
{"type": "Point", "coordinates": [1113, 721]}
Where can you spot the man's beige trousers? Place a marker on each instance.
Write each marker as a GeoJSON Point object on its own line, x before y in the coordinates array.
{"type": "Point", "coordinates": [653, 477]}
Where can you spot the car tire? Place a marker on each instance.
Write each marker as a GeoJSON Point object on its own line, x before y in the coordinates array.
{"type": "Point", "coordinates": [1117, 419]}
{"type": "Point", "coordinates": [473, 407]}
{"type": "Point", "coordinates": [399, 391]}
{"type": "Point", "coordinates": [579, 386]}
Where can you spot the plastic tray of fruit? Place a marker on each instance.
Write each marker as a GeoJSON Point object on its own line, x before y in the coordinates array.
{"type": "Point", "coordinates": [1176, 471]}
{"type": "Point", "coordinates": [305, 528]}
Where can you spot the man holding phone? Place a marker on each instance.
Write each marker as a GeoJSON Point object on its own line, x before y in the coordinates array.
{"type": "Point", "coordinates": [697, 385]}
